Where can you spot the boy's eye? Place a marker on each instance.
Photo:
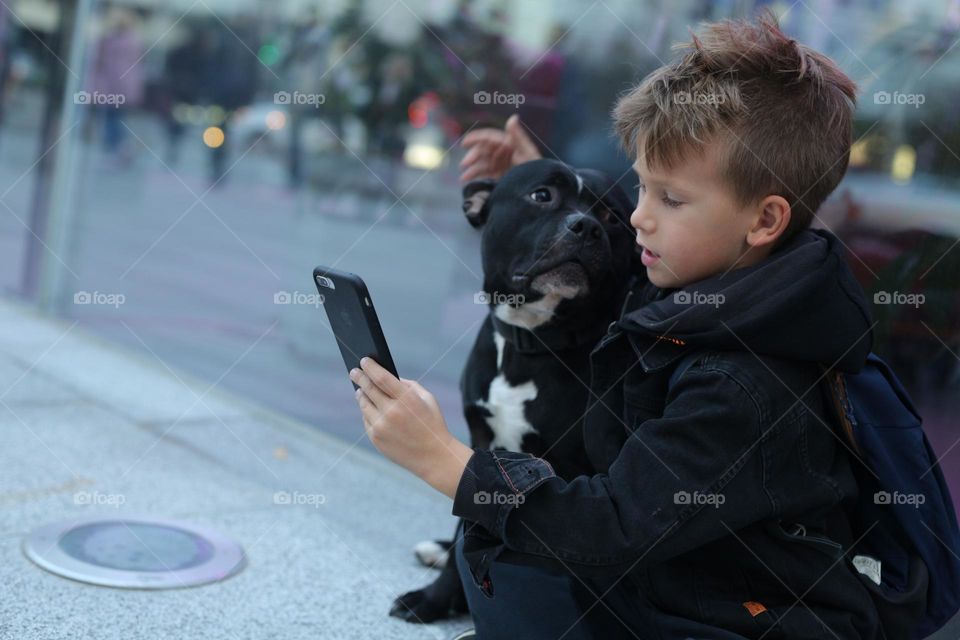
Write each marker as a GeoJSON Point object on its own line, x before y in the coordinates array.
{"type": "Point", "coordinates": [667, 200]}
{"type": "Point", "coordinates": [541, 195]}
{"type": "Point", "coordinates": [670, 202]}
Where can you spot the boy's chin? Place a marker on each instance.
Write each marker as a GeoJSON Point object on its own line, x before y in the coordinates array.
{"type": "Point", "coordinates": [664, 281]}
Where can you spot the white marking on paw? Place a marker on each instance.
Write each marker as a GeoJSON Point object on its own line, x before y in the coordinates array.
{"type": "Point", "coordinates": [430, 554]}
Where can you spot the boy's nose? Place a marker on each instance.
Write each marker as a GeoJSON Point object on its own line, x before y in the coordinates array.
{"type": "Point", "coordinates": [641, 220]}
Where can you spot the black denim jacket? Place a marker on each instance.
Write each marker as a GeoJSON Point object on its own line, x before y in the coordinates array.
{"type": "Point", "coordinates": [715, 500]}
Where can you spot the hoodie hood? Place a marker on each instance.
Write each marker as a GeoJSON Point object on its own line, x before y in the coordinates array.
{"type": "Point", "coordinates": [800, 302]}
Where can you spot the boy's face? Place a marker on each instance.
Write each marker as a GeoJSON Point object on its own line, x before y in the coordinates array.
{"type": "Point", "coordinates": [689, 222]}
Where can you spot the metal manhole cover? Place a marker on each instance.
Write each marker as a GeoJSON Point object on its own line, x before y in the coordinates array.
{"type": "Point", "coordinates": [132, 552]}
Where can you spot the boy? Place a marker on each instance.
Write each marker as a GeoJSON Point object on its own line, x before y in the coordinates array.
{"type": "Point", "coordinates": [714, 510]}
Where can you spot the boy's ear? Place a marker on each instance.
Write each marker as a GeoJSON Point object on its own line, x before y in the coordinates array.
{"type": "Point", "coordinates": [771, 222]}
{"type": "Point", "coordinates": [475, 196]}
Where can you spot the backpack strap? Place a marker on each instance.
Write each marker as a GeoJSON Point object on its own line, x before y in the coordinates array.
{"type": "Point", "coordinates": [835, 390]}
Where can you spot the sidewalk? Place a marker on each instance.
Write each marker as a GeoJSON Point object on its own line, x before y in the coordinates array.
{"type": "Point", "coordinates": [81, 416]}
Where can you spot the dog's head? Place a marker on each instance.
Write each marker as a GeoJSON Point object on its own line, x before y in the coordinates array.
{"type": "Point", "coordinates": [557, 239]}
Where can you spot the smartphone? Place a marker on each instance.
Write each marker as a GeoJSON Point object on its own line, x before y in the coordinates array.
{"type": "Point", "coordinates": [352, 318]}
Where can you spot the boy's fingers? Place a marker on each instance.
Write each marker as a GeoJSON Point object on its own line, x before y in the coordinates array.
{"type": "Point", "coordinates": [387, 382]}
{"type": "Point", "coordinates": [367, 410]}
{"type": "Point", "coordinates": [373, 393]}
{"type": "Point", "coordinates": [522, 143]}
{"type": "Point", "coordinates": [472, 156]}
{"type": "Point", "coordinates": [418, 389]}
{"type": "Point", "coordinates": [476, 171]}
{"type": "Point", "coordinates": [487, 134]}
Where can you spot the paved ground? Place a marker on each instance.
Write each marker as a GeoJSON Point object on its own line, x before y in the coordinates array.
{"type": "Point", "coordinates": [80, 417]}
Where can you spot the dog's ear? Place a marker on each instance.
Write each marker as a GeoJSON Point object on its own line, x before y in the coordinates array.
{"type": "Point", "coordinates": [475, 196]}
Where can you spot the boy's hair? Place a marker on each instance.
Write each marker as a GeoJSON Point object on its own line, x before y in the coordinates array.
{"type": "Point", "coordinates": [782, 111]}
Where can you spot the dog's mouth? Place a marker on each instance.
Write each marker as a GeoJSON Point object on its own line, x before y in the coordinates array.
{"type": "Point", "coordinates": [523, 277]}
{"type": "Point", "coordinates": [565, 276]}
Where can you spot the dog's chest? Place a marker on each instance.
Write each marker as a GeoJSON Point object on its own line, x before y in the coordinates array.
{"type": "Point", "coordinates": [506, 405]}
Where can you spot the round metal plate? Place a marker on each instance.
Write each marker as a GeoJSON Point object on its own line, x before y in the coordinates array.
{"type": "Point", "coordinates": [134, 552]}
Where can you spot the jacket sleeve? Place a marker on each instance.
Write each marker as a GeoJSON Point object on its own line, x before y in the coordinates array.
{"type": "Point", "coordinates": [680, 481]}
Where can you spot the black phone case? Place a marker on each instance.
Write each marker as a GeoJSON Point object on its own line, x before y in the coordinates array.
{"type": "Point", "coordinates": [353, 319]}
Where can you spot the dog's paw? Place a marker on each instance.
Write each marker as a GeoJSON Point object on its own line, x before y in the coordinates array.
{"type": "Point", "coordinates": [414, 606]}
{"type": "Point", "coordinates": [433, 553]}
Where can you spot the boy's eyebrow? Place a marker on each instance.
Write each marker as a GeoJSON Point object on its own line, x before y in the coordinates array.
{"type": "Point", "coordinates": [671, 182]}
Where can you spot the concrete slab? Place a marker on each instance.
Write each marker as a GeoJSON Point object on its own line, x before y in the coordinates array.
{"type": "Point", "coordinates": [87, 429]}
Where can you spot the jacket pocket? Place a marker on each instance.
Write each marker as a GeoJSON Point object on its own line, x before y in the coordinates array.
{"type": "Point", "coordinates": [798, 533]}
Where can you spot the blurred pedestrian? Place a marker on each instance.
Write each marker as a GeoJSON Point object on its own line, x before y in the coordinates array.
{"type": "Point", "coordinates": [117, 80]}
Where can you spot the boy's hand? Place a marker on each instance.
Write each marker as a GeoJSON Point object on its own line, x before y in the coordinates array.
{"type": "Point", "coordinates": [492, 152]}
{"type": "Point", "coordinates": [403, 421]}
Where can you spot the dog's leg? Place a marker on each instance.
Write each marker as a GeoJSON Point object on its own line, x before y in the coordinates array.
{"type": "Point", "coordinates": [441, 599]}
{"type": "Point", "coordinates": [433, 553]}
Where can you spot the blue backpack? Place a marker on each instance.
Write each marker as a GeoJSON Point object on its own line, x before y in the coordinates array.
{"type": "Point", "coordinates": [907, 549]}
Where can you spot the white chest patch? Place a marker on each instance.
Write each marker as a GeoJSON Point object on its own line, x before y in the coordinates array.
{"type": "Point", "coordinates": [505, 404]}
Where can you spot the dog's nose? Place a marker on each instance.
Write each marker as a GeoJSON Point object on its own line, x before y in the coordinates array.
{"type": "Point", "coordinates": [583, 225]}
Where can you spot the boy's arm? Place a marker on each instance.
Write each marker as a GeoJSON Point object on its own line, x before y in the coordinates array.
{"type": "Point", "coordinates": [679, 482]}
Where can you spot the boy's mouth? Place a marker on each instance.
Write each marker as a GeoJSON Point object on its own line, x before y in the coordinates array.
{"type": "Point", "coordinates": [648, 257]}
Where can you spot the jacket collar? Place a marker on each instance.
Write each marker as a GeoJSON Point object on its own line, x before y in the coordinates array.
{"type": "Point", "coordinates": [657, 352]}
{"type": "Point", "coordinates": [653, 351]}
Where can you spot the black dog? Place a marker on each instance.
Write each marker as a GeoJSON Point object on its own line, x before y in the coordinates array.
{"type": "Point", "coordinates": [557, 251]}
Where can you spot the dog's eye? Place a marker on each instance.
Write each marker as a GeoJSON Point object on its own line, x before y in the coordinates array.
{"type": "Point", "coordinates": [541, 195]}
